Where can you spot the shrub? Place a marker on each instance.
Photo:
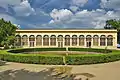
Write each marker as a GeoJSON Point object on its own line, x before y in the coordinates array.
{"type": "Point", "coordinates": [32, 58]}
{"type": "Point", "coordinates": [92, 59]}
{"type": "Point", "coordinates": [58, 59]}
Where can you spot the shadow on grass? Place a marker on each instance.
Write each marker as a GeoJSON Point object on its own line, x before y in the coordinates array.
{"type": "Point", "coordinates": [57, 73]}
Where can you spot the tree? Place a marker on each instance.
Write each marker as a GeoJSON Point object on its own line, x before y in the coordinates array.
{"type": "Point", "coordinates": [7, 33]}
{"type": "Point", "coordinates": [113, 24]}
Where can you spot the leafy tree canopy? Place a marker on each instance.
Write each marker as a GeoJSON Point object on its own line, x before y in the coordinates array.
{"type": "Point", "coordinates": [7, 33]}
{"type": "Point", "coordinates": [112, 24]}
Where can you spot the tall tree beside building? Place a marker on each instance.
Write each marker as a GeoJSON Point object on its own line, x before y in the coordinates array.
{"type": "Point", "coordinates": [7, 33]}
{"type": "Point", "coordinates": [114, 24]}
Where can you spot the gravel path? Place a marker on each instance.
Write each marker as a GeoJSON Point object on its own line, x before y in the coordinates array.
{"type": "Point", "coordinates": [107, 71]}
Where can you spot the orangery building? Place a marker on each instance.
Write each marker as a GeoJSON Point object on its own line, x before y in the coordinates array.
{"type": "Point", "coordinates": [80, 38]}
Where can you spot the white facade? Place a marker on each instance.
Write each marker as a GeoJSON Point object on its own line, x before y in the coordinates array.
{"type": "Point", "coordinates": [69, 38]}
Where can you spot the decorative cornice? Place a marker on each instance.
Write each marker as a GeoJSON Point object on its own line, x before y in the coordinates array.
{"type": "Point", "coordinates": [66, 31]}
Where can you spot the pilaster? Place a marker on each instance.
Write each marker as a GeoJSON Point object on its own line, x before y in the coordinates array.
{"type": "Point", "coordinates": [85, 42]}
{"type": "Point", "coordinates": [99, 41]}
{"type": "Point", "coordinates": [49, 40]}
{"type": "Point", "coordinates": [28, 43]}
{"type": "Point", "coordinates": [21, 42]}
{"type": "Point", "coordinates": [77, 41]}
{"type": "Point", "coordinates": [91, 41]}
{"type": "Point", "coordinates": [105, 41]}
{"type": "Point", "coordinates": [42, 41]}
{"type": "Point", "coordinates": [70, 41]}
{"type": "Point", "coordinates": [35, 42]}
{"type": "Point", "coordinates": [56, 42]}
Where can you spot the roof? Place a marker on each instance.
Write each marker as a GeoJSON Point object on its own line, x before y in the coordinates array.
{"type": "Point", "coordinates": [65, 30]}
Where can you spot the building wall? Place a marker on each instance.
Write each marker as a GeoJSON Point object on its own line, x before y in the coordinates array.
{"type": "Point", "coordinates": [71, 32]}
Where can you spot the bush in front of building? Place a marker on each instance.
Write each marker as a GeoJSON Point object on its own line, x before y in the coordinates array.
{"type": "Point", "coordinates": [90, 50]}
{"type": "Point", "coordinates": [92, 59]}
{"type": "Point", "coordinates": [31, 58]}
{"type": "Point", "coordinates": [58, 59]}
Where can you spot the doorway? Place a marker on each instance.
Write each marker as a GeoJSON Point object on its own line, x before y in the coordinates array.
{"type": "Point", "coordinates": [60, 41]}
{"type": "Point", "coordinates": [88, 41]}
{"type": "Point", "coordinates": [32, 40]}
{"type": "Point", "coordinates": [32, 44]}
{"type": "Point", "coordinates": [88, 44]}
{"type": "Point", "coordinates": [60, 44]}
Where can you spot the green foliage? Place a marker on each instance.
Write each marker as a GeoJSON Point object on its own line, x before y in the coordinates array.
{"type": "Point", "coordinates": [58, 59]}
{"type": "Point", "coordinates": [7, 33]}
{"type": "Point", "coordinates": [92, 59]}
{"type": "Point", "coordinates": [31, 58]}
{"type": "Point", "coordinates": [114, 24]}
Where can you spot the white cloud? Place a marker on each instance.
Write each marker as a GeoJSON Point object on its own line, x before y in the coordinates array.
{"type": "Point", "coordinates": [110, 4]}
{"type": "Point", "coordinates": [5, 3]}
{"type": "Point", "coordinates": [74, 8]}
{"type": "Point", "coordinates": [60, 15]}
{"type": "Point", "coordinates": [96, 18]}
{"type": "Point", "coordinates": [7, 18]}
{"type": "Point", "coordinates": [79, 2]}
{"type": "Point", "coordinates": [23, 9]}
{"type": "Point", "coordinates": [87, 19]}
{"type": "Point", "coordinates": [75, 4]}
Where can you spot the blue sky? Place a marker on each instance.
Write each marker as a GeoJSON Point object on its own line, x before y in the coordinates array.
{"type": "Point", "coordinates": [59, 13]}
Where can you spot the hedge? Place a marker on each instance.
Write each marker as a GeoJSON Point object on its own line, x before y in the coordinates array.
{"type": "Point", "coordinates": [58, 59]}
{"type": "Point", "coordinates": [32, 58]}
{"type": "Point", "coordinates": [92, 59]}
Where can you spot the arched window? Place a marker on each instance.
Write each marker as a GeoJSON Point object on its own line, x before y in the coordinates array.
{"type": "Point", "coordinates": [95, 40]}
{"type": "Point", "coordinates": [46, 40]}
{"type": "Point", "coordinates": [67, 40]}
{"type": "Point", "coordinates": [53, 40]}
{"type": "Point", "coordinates": [18, 40]}
{"type": "Point", "coordinates": [110, 40]}
{"type": "Point", "coordinates": [32, 38]}
{"type": "Point", "coordinates": [38, 40]}
{"type": "Point", "coordinates": [88, 38]}
{"type": "Point", "coordinates": [24, 40]}
{"type": "Point", "coordinates": [60, 38]}
{"type": "Point", "coordinates": [81, 40]}
{"type": "Point", "coordinates": [74, 40]}
{"type": "Point", "coordinates": [60, 41]}
{"type": "Point", "coordinates": [102, 40]}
